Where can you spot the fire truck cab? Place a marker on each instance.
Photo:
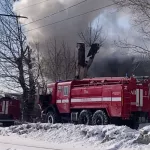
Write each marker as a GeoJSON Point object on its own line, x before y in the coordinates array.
{"type": "Point", "coordinates": [97, 101]}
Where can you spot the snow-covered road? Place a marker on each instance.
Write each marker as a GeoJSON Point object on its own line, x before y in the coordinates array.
{"type": "Point", "coordinates": [11, 143]}
{"type": "Point", "coordinates": [17, 143]}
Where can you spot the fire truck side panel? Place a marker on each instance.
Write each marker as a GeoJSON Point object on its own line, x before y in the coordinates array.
{"type": "Point", "coordinates": [146, 100]}
{"type": "Point", "coordinates": [124, 99]}
{"type": "Point", "coordinates": [87, 97]}
{"type": "Point", "coordinates": [14, 109]}
{"type": "Point", "coordinates": [135, 100]}
{"type": "Point", "coordinates": [9, 109]}
{"type": "Point", "coordinates": [130, 100]}
{"type": "Point", "coordinates": [127, 102]}
{"type": "Point", "coordinates": [98, 97]}
{"type": "Point", "coordinates": [142, 98]}
{"type": "Point", "coordinates": [116, 103]}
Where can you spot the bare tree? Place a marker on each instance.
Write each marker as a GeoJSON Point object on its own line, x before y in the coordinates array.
{"type": "Point", "coordinates": [92, 35]}
{"type": "Point", "coordinates": [140, 13]}
{"type": "Point", "coordinates": [93, 39]}
{"type": "Point", "coordinates": [59, 61]}
{"type": "Point", "coordinates": [140, 10]}
{"type": "Point", "coordinates": [15, 56]}
{"type": "Point", "coordinates": [32, 79]}
{"type": "Point", "coordinates": [141, 54]}
{"type": "Point", "coordinates": [68, 63]}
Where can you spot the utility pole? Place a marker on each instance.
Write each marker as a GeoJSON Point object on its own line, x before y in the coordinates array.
{"type": "Point", "coordinates": [14, 16]}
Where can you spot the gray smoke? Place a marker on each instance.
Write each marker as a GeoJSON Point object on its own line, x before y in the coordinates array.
{"type": "Point", "coordinates": [114, 23]}
{"type": "Point", "coordinates": [69, 30]}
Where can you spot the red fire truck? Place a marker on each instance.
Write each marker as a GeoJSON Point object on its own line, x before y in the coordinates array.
{"type": "Point", "coordinates": [97, 101]}
{"type": "Point", "coordinates": [9, 111]}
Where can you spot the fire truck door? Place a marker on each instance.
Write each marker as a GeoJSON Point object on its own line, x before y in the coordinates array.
{"type": "Point", "coordinates": [139, 96]}
{"type": "Point", "coordinates": [4, 107]}
{"type": "Point", "coordinates": [65, 99]}
{"type": "Point", "coordinates": [62, 100]}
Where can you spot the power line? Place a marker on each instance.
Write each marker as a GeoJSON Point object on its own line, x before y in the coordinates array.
{"type": "Point", "coordinates": [32, 5]}
{"type": "Point", "coordinates": [56, 13]}
{"type": "Point", "coordinates": [69, 18]}
{"type": "Point", "coordinates": [5, 15]}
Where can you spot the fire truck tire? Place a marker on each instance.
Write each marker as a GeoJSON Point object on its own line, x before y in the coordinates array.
{"type": "Point", "coordinates": [133, 124]}
{"type": "Point", "coordinates": [100, 118]}
{"type": "Point", "coordinates": [85, 117]}
{"type": "Point", "coordinates": [51, 117]}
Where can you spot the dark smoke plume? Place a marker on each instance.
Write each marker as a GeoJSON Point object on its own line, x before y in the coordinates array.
{"type": "Point", "coordinates": [114, 24]}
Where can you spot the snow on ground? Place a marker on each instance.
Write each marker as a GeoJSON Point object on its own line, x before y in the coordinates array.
{"type": "Point", "coordinates": [108, 137]}
{"type": "Point", "coordinates": [17, 143]}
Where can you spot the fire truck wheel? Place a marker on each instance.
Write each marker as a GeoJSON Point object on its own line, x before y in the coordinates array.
{"type": "Point", "coordinates": [51, 117]}
{"type": "Point", "coordinates": [85, 117]}
{"type": "Point", "coordinates": [99, 118]}
{"type": "Point", "coordinates": [133, 124]}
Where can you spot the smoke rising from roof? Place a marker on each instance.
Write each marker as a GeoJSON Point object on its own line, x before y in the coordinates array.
{"type": "Point", "coordinates": [114, 23]}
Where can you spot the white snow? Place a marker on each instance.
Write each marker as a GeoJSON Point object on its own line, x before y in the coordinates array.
{"type": "Point", "coordinates": [108, 137]}
{"type": "Point", "coordinates": [17, 143]}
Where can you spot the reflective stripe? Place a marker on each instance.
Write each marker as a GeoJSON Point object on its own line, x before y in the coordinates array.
{"type": "Point", "coordinates": [116, 99]}
{"type": "Point", "coordinates": [3, 107]}
{"type": "Point", "coordinates": [77, 100]}
{"type": "Point", "coordinates": [65, 101]}
{"type": "Point", "coordinates": [6, 108]}
{"type": "Point", "coordinates": [137, 97]}
{"type": "Point", "coordinates": [58, 101]}
{"type": "Point", "coordinates": [104, 99]}
{"type": "Point", "coordinates": [83, 100]}
{"type": "Point", "coordinates": [141, 97]}
{"type": "Point", "coordinates": [62, 101]}
{"type": "Point", "coordinates": [86, 99]}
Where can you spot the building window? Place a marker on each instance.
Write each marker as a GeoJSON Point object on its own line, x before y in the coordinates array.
{"type": "Point", "coordinates": [66, 90]}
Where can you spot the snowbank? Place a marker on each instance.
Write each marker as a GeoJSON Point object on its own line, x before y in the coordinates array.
{"type": "Point", "coordinates": [108, 137]}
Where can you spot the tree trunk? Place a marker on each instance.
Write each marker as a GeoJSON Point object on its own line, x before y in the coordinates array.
{"type": "Point", "coordinates": [25, 96]}
{"type": "Point", "coordinates": [32, 86]}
